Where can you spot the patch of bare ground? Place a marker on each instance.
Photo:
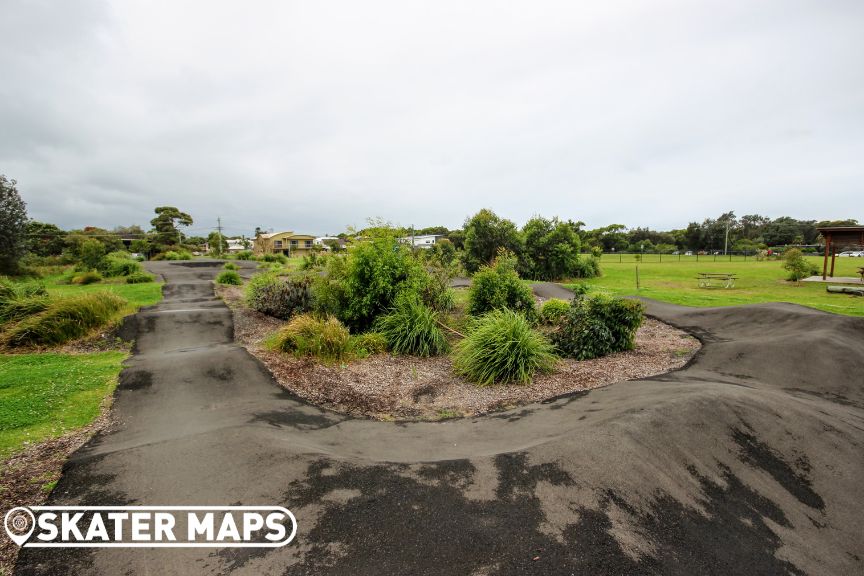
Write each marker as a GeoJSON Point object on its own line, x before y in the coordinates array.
{"type": "Point", "coordinates": [27, 478]}
{"type": "Point", "coordinates": [409, 388]}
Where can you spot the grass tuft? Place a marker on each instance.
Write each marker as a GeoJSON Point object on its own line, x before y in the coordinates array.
{"type": "Point", "coordinates": [503, 348]}
{"type": "Point", "coordinates": [411, 328]}
{"type": "Point", "coordinates": [64, 320]}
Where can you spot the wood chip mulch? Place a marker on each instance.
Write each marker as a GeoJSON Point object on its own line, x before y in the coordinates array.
{"type": "Point", "coordinates": [389, 387]}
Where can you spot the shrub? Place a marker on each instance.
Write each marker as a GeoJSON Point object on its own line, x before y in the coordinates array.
{"type": "Point", "coordinates": [369, 343]}
{"type": "Point", "coordinates": [244, 255]}
{"type": "Point", "coordinates": [175, 255]}
{"type": "Point", "coordinates": [230, 266]}
{"type": "Point", "coordinates": [375, 273]}
{"type": "Point", "coordinates": [411, 328]}
{"type": "Point", "coordinates": [277, 297]}
{"type": "Point", "coordinates": [64, 320]}
{"type": "Point", "coordinates": [502, 347]}
{"type": "Point", "coordinates": [85, 278]}
{"type": "Point", "coordinates": [595, 327]}
{"type": "Point", "coordinates": [280, 258]}
{"type": "Point", "coordinates": [498, 287]}
{"type": "Point", "coordinates": [90, 253]}
{"type": "Point", "coordinates": [586, 267]}
{"type": "Point", "coordinates": [553, 310]}
{"type": "Point", "coordinates": [115, 264]}
{"type": "Point", "coordinates": [306, 335]}
{"type": "Point", "coordinates": [139, 278]}
{"type": "Point", "coordinates": [229, 277]}
{"type": "Point", "coordinates": [797, 265]}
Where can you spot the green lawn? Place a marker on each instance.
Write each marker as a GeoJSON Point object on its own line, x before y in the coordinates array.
{"type": "Point", "coordinates": [137, 294]}
{"type": "Point", "coordinates": [674, 281]}
{"type": "Point", "coordinates": [43, 396]}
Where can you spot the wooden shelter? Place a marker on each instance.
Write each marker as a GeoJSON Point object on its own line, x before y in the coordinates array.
{"type": "Point", "coordinates": [842, 237]}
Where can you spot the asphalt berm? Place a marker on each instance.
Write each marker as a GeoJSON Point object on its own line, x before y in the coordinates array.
{"type": "Point", "coordinates": [747, 461]}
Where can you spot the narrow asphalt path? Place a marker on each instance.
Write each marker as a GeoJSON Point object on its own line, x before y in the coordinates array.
{"type": "Point", "coordinates": [747, 461]}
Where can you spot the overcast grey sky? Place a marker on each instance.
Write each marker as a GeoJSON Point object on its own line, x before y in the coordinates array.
{"type": "Point", "coordinates": [314, 115]}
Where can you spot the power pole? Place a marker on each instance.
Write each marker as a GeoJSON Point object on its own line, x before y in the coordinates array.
{"type": "Point", "coordinates": [219, 232]}
{"type": "Point", "coordinates": [726, 242]}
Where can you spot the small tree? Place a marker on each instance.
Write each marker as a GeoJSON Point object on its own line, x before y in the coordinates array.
{"type": "Point", "coordinates": [165, 224]}
{"type": "Point", "coordinates": [218, 243]}
{"type": "Point", "coordinates": [13, 226]}
{"type": "Point", "coordinates": [91, 252]}
{"type": "Point", "coordinates": [797, 266]}
{"type": "Point", "coordinates": [485, 234]}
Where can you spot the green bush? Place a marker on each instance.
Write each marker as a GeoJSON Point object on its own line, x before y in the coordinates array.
{"type": "Point", "coordinates": [230, 266]}
{"type": "Point", "coordinates": [230, 277]}
{"type": "Point", "coordinates": [498, 287]}
{"type": "Point", "coordinates": [278, 297]}
{"type": "Point", "coordinates": [116, 264]}
{"type": "Point", "coordinates": [280, 258]}
{"type": "Point", "coordinates": [553, 311]}
{"type": "Point", "coordinates": [375, 273]}
{"type": "Point", "coordinates": [797, 265]}
{"type": "Point", "coordinates": [369, 343]}
{"type": "Point", "coordinates": [411, 328]}
{"type": "Point", "coordinates": [595, 327]}
{"type": "Point", "coordinates": [306, 335]}
{"type": "Point", "coordinates": [84, 278]}
{"type": "Point", "coordinates": [501, 348]}
{"type": "Point", "coordinates": [586, 267]}
{"type": "Point", "coordinates": [174, 255]}
{"type": "Point", "coordinates": [139, 278]}
{"type": "Point", "coordinates": [244, 255]}
{"type": "Point", "coordinates": [64, 320]}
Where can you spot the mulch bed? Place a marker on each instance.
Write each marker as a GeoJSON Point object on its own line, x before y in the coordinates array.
{"type": "Point", "coordinates": [389, 387]}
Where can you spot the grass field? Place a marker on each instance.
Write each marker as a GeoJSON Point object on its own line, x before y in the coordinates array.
{"type": "Point", "coordinates": [674, 281]}
{"type": "Point", "coordinates": [138, 295]}
{"type": "Point", "coordinates": [43, 396]}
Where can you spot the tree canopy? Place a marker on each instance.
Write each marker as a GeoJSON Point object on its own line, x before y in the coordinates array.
{"type": "Point", "coordinates": [13, 226]}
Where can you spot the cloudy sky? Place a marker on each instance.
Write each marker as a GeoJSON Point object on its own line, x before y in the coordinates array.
{"type": "Point", "coordinates": [315, 115]}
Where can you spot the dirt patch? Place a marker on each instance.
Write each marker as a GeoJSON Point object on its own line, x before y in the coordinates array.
{"type": "Point", "coordinates": [27, 478]}
{"type": "Point", "coordinates": [390, 387]}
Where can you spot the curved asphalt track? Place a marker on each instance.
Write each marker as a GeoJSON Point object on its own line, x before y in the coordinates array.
{"type": "Point", "coordinates": [748, 461]}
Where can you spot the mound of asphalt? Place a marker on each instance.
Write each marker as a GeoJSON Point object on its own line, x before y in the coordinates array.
{"type": "Point", "coordinates": [747, 461]}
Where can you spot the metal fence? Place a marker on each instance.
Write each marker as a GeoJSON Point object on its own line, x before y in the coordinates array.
{"type": "Point", "coordinates": [622, 257]}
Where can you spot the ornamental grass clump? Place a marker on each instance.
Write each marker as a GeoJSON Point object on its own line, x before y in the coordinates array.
{"type": "Point", "coordinates": [229, 277]}
{"type": "Point", "coordinates": [502, 347]}
{"type": "Point", "coordinates": [411, 327]}
{"type": "Point", "coordinates": [64, 320]}
{"type": "Point", "coordinates": [368, 343]}
{"type": "Point", "coordinates": [306, 335]}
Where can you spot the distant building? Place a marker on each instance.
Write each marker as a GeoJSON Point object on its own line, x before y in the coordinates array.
{"type": "Point", "coordinates": [288, 243]}
{"type": "Point", "coordinates": [425, 241]}
{"type": "Point", "coordinates": [238, 245]}
{"type": "Point", "coordinates": [325, 242]}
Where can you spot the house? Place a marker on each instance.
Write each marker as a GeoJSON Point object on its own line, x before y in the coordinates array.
{"type": "Point", "coordinates": [425, 241]}
{"type": "Point", "coordinates": [326, 241]}
{"type": "Point", "coordinates": [288, 243]}
{"type": "Point", "coordinates": [238, 245]}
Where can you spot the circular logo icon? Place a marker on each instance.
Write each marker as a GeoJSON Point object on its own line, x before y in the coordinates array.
{"type": "Point", "coordinates": [19, 523]}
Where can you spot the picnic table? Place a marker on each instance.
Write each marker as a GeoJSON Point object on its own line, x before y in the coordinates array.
{"type": "Point", "coordinates": [709, 279]}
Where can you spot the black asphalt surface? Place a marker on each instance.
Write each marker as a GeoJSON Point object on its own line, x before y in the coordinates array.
{"type": "Point", "coordinates": [748, 461]}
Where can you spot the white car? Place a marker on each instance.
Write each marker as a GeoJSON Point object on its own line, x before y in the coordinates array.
{"type": "Point", "coordinates": [851, 254]}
